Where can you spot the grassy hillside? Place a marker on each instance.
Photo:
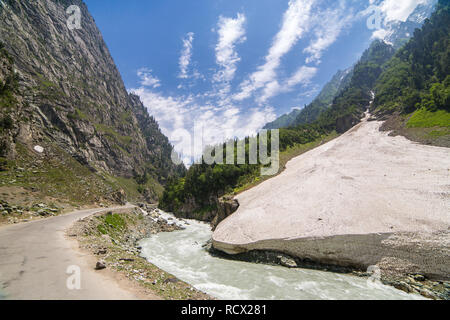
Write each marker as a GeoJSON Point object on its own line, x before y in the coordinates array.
{"type": "Point", "coordinates": [413, 93]}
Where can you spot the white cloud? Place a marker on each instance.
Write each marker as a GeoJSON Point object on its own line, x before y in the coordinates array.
{"type": "Point", "coordinates": [179, 117]}
{"type": "Point", "coordinates": [302, 16]}
{"type": "Point", "coordinates": [381, 34]}
{"type": "Point", "coordinates": [328, 26]}
{"type": "Point", "coordinates": [231, 32]}
{"type": "Point", "coordinates": [147, 79]}
{"type": "Point", "coordinates": [218, 110]}
{"type": "Point", "coordinates": [295, 22]}
{"type": "Point", "coordinates": [399, 10]}
{"type": "Point", "coordinates": [186, 55]}
{"type": "Point", "coordinates": [302, 76]}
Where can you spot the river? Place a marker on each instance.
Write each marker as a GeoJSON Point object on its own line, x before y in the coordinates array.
{"type": "Point", "coordinates": [181, 254]}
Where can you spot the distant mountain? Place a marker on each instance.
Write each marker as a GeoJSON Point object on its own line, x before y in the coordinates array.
{"type": "Point", "coordinates": [284, 121]}
{"type": "Point", "coordinates": [325, 98]}
{"type": "Point", "coordinates": [398, 33]}
{"type": "Point", "coordinates": [349, 105]}
{"type": "Point", "coordinates": [310, 113]}
{"type": "Point", "coordinates": [419, 74]}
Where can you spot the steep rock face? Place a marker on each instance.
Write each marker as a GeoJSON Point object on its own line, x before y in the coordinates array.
{"type": "Point", "coordinates": [71, 93]}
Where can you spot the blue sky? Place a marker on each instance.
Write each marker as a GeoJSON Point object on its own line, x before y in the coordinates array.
{"type": "Point", "coordinates": [230, 66]}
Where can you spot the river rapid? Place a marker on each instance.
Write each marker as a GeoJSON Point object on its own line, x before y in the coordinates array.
{"type": "Point", "coordinates": [182, 254]}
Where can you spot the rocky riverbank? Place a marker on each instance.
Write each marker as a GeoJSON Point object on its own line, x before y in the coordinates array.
{"type": "Point", "coordinates": [410, 283]}
{"type": "Point", "coordinates": [113, 239]}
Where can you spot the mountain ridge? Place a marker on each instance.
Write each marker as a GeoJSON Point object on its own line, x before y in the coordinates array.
{"type": "Point", "coordinates": [397, 35]}
{"type": "Point", "coordinates": [70, 94]}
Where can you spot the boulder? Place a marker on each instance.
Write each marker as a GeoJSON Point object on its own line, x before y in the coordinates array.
{"type": "Point", "coordinates": [100, 265]}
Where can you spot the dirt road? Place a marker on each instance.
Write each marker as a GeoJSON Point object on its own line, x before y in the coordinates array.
{"type": "Point", "coordinates": [35, 257]}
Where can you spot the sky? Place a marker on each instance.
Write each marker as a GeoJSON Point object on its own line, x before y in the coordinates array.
{"type": "Point", "coordinates": [220, 69]}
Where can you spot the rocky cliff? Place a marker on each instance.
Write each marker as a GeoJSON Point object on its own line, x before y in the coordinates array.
{"type": "Point", "coordinates": [64, 92]}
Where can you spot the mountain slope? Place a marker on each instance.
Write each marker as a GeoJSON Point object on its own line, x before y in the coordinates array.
{"type": "Point", "coordinates": [70, 99]}
{"type": "Point", "coordinates": [349, 106]}
{"type": "Point", "coordinates": [284, 121]}
{"type": "Point", "coordinates": [320, 103]}
{"type": "Point", "coordinates": [351, 86]}
{"type": "Point", "coordinates": [325, 98]}
{"type": "Point", "coordinates": [397, 34]}
{"type": "Point", "coordinates": [413, 93]}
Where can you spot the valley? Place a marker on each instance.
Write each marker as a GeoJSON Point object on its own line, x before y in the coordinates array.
{"type": "Point", "coordinates": [95, 204]}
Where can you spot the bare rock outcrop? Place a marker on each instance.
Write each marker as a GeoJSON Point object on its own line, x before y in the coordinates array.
{"type": "Point", "coordinates": [65, 91]}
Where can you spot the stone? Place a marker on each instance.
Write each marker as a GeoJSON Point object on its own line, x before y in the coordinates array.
{"type": "Point", "coordinates": [287, 262]}
{"type": "Point", "coordinates": [403, 286]}
{"type": "Point", "coordinates": [42, 212]}
{"type": "Point", "coordinates": [428, 294]}
{"type": "Point", "coordinates": [102, 251]}
{"type": "Point", "coordinates": [100, 265]}
{"type": "Point", "coordinates": [171, 280]}
{"type": "Point", "coordinates": [38, 149]}
{"type": "Point", "coordinates": [419, 277]}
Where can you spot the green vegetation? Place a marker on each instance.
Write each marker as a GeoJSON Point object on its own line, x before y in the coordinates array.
{"type": "Point", "coordinates": [285, 157]}
{"type": "Point", "coordinates": [111, 223]}
{"type": "Point", "coordinates": [418, 76]}
{"type": "Point", "coordinates": [6, 123]}
{"type": "Point", "coordinates": [204, 183]}
{"type": "Point", "coordinates": [113, 134]}
{"type": "Point", "coordinates": [9, 85]}
{"type": "Point", "coordinates": [61, 177]}
{"type": "Point", "coordinates": [47, 89]}
{"type": "Point", "coordinates": [114, 250]}
{"type": "Point", "coordinates": [322, 102]}
{"type": "Point", "coordinates": [77, 115]}
{"type": "Point", "coordinates": [424, 118]}
{"type": "Point", "coordinates": [349, 105]}
{"type": "Point", "coordinates": [284, 121]}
